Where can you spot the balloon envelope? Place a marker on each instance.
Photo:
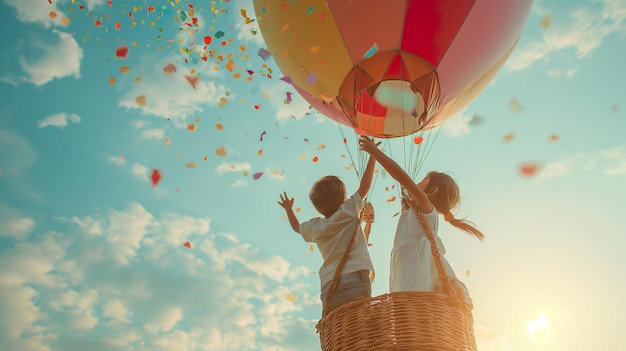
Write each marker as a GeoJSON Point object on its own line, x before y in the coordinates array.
{"type": "Point", "coordinates": [390, 68]}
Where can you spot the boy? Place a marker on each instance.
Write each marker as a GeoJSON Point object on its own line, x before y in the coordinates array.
{"type": "Point", "coordinates": [333, 233]}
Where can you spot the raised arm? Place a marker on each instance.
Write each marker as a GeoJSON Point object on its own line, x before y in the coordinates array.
{"type": "Point", "coordinates": [366, 180]}
{"type": "Point", "coordinates": [287, 204]}
{"type": "Point", "coordinates": [397, 173]}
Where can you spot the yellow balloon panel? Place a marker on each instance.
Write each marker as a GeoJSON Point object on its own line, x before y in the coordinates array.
{"type": "Point", "coordinates": [316, 60]}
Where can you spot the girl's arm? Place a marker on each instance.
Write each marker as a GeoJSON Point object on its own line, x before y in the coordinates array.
{"type": "Point", "coordinates": [394, 170]}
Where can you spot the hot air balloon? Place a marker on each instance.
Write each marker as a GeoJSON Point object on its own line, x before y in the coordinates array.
{"type": "Point", "coordinates": [392, 68]}
{"type": "Point", "coordinates": [389, 69]}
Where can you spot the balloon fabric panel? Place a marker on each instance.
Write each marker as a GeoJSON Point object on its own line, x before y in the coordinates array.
{"type": "Point", "coordinates": [364, 23]}
{"type": "Point", "coordinates": [486, 35]}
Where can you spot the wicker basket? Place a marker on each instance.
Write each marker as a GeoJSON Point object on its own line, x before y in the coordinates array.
{"type": "Point", "coordinates": [411, 320]}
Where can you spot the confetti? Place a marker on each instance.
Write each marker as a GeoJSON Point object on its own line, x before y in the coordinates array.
{"type": "Point", "coordinates": [529, 169]}
{"type": "Point", "coordinates": [515, 105]}
{"type": "Point", "coordinates": [52, 15]}
{"type": "Point", "coordinates": [207, 40]}
{"type": "Point", "coordinates": [260, 152]}
{"type": "Point", "coordinates": [191, 127]}
{"type": "Point", "coordinates": [170, 68]}
{"type": "Point", "coordinates": [264, 54]}
{"type": "Point", "coordinates": [315, 159]}
{"type": "Point", "coordinates": [166, 142]}
{"type": "Point", "coordinates": [122, 51]}
{"type": "Point", "coordinates": [118, 25]}
{"type": "Point", "coordinates": [155, 177]}
{"type": "Point", "coordinates": [190, 165]}
{"type": "Point", "coordinates": [554, 137]}
{"type": "Point", "coordinates": [288, 100]}
{"type": "Point", "coordinates": [262, 135]}
{"type": "Point", "coordinates": [392, 199]}
{"type": "Point", "coordinates": [371, 51]}
{"type": "Point", "coordinates": [141, 100]}
{"type": "Point", "coordinates": [311, 78]}
{"type": "Point", "coordinates": [311, 248]}
{"type": "Point", "coordinates": [298, 209]}
{"type": "Point", "coordinates": [187, 244]}
{"type": "Point", "coordinates": [475, 120]}
{"type": "Point", "coordinates": [321, 147]}
{"type": "Point", "coordinates": [192, 80]}
{"type": "Point", "coordinates": [124, 69]}
{"type": "Point", "coordinates": [291, 297]}
{"type": "Point", "coordinates": [508, 137]}
{"type": "Point", "coordinates": [546, 21]}
{"type": "Point", "coordinates": [111, 81]}
{"type": "Point", "coordinates": [220, 151]}
{"type": "Point", "coordinates": [65, 21]}
{"type": "Point", "coordinates": [418, 140]}
{"type": "Point", "coordinates": [467, 273]}
{"type": "Point", "coordinates": [257, 175]}
{"type": "Point", "coordinates": [219, 126]}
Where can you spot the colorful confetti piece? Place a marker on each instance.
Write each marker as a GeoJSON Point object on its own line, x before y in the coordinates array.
{"type": "Point", "coordinates": [122, 51]}
{"type": "Point", "coordinates": [529, 169]}
{"type": "Point", "coordinates": [418, 140]}
{"type": "Point", "coordinates": [257, 175]}
{"type": "Point", "coordinates": [187, 244]}
{"type": "Point", "coordinates": [141, 100]}
{"type": "Point", "coordinates": [155, 177]}
{"type": "Point", "coordinates": [220, 151]}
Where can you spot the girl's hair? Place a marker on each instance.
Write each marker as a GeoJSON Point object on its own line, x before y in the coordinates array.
{"type": "Point", "coordinates": [327, 194]}
{"type": "Point", "coordinates": [446, 199]}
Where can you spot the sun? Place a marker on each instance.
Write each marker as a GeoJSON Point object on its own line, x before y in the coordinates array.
{"type": "Point", "coordinates": [538, 328]}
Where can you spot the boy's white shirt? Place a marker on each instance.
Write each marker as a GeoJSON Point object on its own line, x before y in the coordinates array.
{"type": "Point", "coordinates": [332, 236]}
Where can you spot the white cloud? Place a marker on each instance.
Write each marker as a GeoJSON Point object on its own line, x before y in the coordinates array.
{"type": "Point", "coordinates": [14, 224]}
{"type": "Point", "coordinates": [609, 161]}
{"type": "Point", "coordinates": [458, 124]}
{"type": "Point", "coordinates": [59, 60]}
{"type": "Point", "coordinates": [140, 171]}
{"type": "Point", "coordinates": [233, 167]}
{"type": "Point", "coordinates": [152, 134]}
{"type": "Point", "coordinates": [583, 32]}
{"type": "Point", "coordinates": [277, 95]}
{"type": "Point", "coordinates": [60, 120]}
{"type": "Point", "coordinates": [119, 160]}
{"type": "Point", "coordinates": [172, 96]}
{"type": "Point", "coordinates": [180, 299]}
{"type": "Point", "coordinates": [36, 11]}
{"type": "Point", "coordinates": [239, 183]}
{"type": "Point", "coordinates": [244, 31]}
{"type": "Point", "coordinates": [16, 153]}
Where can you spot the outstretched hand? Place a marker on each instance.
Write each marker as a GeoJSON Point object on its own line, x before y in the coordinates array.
{"type": "Point", "coordinates": [367, 144]}
{"type": "Point", "coordinates": [285, 201]}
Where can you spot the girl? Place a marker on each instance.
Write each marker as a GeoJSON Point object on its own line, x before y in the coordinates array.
{"type": "Point", "coordinates": [412, 264]}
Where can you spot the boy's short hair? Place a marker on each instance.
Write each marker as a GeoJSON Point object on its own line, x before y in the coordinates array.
{"type": "Point", "coordinates": [327, 194]}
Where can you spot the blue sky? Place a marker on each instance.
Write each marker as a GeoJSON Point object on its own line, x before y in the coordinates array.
{"type": "Point", "coordinates": [92, 255]}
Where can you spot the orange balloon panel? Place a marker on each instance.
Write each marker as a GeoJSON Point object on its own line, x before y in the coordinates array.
{"type": "Point", "coordinates": [392, 68]}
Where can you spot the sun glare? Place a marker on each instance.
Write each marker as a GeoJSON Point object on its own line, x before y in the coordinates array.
{"type": "Point", "coordinates": [538, 328]}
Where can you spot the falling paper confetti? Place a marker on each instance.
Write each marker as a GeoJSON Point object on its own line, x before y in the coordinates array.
{"type": "Point", "coordinates": [220, 151]}
{"type": "Point", "coordinates": [262, 135]}
{"type": "Point", "coordinates": [192, 80]}
{"type": "Point", "coordinates": [166, 142]}
{"type": "Point", "coordinates": [260, 152]}
{"type": "Point", "coordinates": [257, 175]}
{"type": "Point", "coordinates": [418, 140]}
{"type": "Point", "coordinates": [529, 169]}
{"type": "Point", "coordinates": [190, 165]}
{"type": "Point", "coordinates": [371, 51]}
{"type": "Point", "coordinates": [508, 137]}
{"type": "Point", "coordinates": [311, 248]}
{"type": "Point", "coordinates": [156, 177]}
{"type": "Point", "coordinates": [315, 159]}
{"type": "Point", "coordinates": [124, 69]}
{"type": "Point", "coordinates": [291, 297]}
{"type": "Point", "coordinates": [264, 54]}
{"type": "Point", "coordinates": [546, 21]}
{"type": "Point", "coordinates": [170, 68]}
{"type": "Point", "coordinates": [187, 244]}
{"type": "Point", "coordinates": [392, 199]}
{"type": "Point", "coordinates": [515, 105]}
{"type": "Point", "coordinates": [111, 81]}
{"type": "Point", "coordinates": [141, 100]}
{"type": "Point", "coordinates": [311, 79]}
{"type": "Point", "coordinates": [219, 126]}
{"type": "Point", "coordinates": [122, 51]}
{"type": "Point", "coordinates": [554, 137]}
